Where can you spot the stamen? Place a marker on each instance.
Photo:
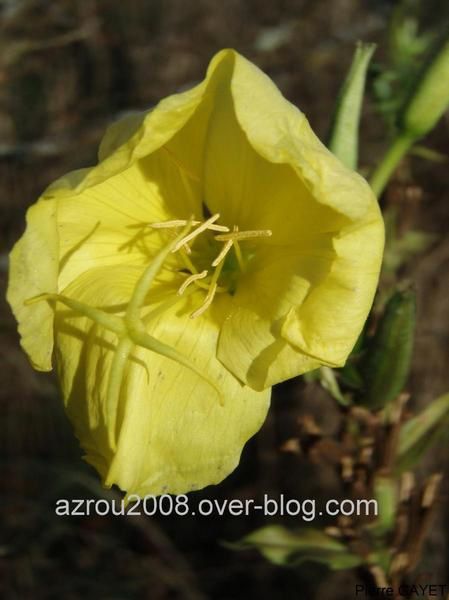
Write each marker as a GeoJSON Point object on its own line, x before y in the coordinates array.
{"type": "Point", "coordinates": [237, 250]}
{"type": "Point", "coordinates": [243, 235]}
{"type": "Point", "coordinates": [207, 302]}
{"type": "Point", "coordinates": [190, 280]}
{"type": "Point", "coordinates": [214, 227]}
{"type": "Point", "coordinates": [210, 294]}
{"type": "Point", "coordinates": [227, 246]}
{"type": "Point", "coordinates": [193, 234]}
{"type": "Point", "coordinates": [170, 224]}
{"type": "Point", "coordinates": [191, 267]}
{"type": "Point", "coordinates": [239, 255]}
{"type": "Point", "coordinates": [183, 222]}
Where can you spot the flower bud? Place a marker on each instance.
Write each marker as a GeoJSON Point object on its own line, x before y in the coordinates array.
{"type": "Point", "coordinates": [430, 97]}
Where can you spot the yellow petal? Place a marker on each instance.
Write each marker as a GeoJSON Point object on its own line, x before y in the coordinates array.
{"type": "Point", "coordinates": [262, 158]}
{"type": "Point", "coordinates": [304, 307]}
{"type": "Point", "coordinates": [119, 133]}
{"type": "Point", "coordinates": [234, 144]}
{"type": "Point", "coordinates": [279, 280]}
{"type": "Point", "coordinates": [279, 132]}
{"type": "Point", "coordinates": [328, 322]}
{"type": "Point", "coordinates": [173, 435]}
{"type": "Point", "coordinates": [114, 226]}
{"type": "Point", "coordinates": [265, 169]}
{"type": "Point", "coordinates": [257, 356]}
{"type": "Point", "coordinates": [34, 263]}
{"type": "Point", "coordinates": [108, 223]}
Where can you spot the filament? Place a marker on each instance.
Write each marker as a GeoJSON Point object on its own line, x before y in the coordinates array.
{"type": "Point", "coordinates": [227, 246]}
{"type": "Point", "coordinates": [238, 254]}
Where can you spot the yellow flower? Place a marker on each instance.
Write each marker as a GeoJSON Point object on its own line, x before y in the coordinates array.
{"type": "Point", "coordinates": [216, 249]}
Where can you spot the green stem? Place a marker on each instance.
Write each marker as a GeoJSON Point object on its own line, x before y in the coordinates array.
{"type": "Point", "coordinates": [389, 162]}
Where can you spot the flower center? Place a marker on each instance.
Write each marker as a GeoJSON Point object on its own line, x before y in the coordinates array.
{"type": "Point", "coordinates": [215, 267]}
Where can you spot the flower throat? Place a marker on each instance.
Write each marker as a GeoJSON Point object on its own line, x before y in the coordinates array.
{"type": "Point", "coordinates": [212, 278]}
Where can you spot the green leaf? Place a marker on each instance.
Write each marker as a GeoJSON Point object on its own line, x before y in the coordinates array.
{"type": "Point", "coordinates": [429, 154]}
{"type": "Point", "coordinates": [283, 547]}
{"type": "Point", "coordinates": [398, 251]}
{"type": "Point", "coordinates": [420, 432]}
{"type": "Point", "coordinates": [386, 494]}
{"type": "Point", "coordinates": [387, 364]}
{"type": "Point", "coordinates": [343, 138]}
{"type": "Point", "coordinates": [407, 46]}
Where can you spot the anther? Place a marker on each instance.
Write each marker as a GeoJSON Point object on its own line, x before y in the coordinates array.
{"type": "Point", "coordinates": [191, 279]}
{"type": "Point", "coordinates": [207, 302]}
{"type": "Point", "coordinates": [227, 246]}
{"type": "Point", "coordinates": [193, 234]}
{"type": "Point", "coordinates": [170, 224]}
{"type": "Point", "coordinates": [182, 223]}
{"type": "Point", "coordinates": [243, 235]}
{"type": "Point", "coordinates": [210, 293]}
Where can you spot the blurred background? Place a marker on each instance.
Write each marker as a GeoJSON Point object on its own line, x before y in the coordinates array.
{"type": "Point", "coordinates": [67, 69]}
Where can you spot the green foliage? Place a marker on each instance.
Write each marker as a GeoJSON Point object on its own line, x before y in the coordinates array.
{"type": "Point", "coordinates": [387, 363]}
{"type": "Point", "coordinates": [421, 432]}
{"type": "Point", "coordinates": [429, 97]}
{"type": "Point", "coordinates": [284, 547]}
{"type": "Point", "coordinates": [393, 81]}
{"type": "Point", "coordinates": [344, 135]}
{"type": "Point", "coordinates": [400, 249]}
{"type": "Point", "coordinates": [386, 493]}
